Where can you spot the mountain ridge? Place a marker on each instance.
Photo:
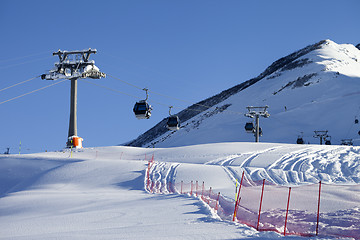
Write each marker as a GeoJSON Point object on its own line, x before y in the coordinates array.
{"type": "Point", "coordinates": [203, 105]}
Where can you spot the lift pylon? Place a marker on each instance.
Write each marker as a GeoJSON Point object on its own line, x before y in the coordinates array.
{"type": "Point", "coordinates": [73, 65]}
{"type": "Point", "coordinates": [257, 112]}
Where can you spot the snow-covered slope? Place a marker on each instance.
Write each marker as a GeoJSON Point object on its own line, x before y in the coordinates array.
{"type": "Point", "coordinates": [315, 88]}
{"type": "Point", "coordinates": [99, 193]}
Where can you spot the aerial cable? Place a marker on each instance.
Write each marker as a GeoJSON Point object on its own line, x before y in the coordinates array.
{"type": "Point", "coordinates": [178, 99]}
{"type": "Point", "coordinates": [17, 64]}
{"type": "Point", "coordinates": [32, 92]}
{"type": "Point", "coordinates": [117, 91]}
{"type": "Point", "coordinates": [18, 83]}
{"type": "Point", "coordinates": [130, 84]}
{"type": "Point", "coordinates": [17, 58]}
{"type": "Point", "coordinates": [108, 88]}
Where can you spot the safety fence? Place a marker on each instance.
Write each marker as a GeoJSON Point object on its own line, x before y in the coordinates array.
{"type": "Point", "coordinates": [305, 210]}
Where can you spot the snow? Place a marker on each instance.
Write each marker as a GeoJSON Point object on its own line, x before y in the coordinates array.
{"type": "Point", "coordinates": [98, 193]}
{"type": "Point", "coordinates": [318, 91]}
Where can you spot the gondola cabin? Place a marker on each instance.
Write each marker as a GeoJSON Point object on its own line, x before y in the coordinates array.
{"type": "Point", "coordinates": [142, 110]}
{"type": "Point", "coordinates": [249, 127]}
{"type": "Point", "coordinates": [300, 140]}
{"type": "Point", "coordinates": [173, 123]}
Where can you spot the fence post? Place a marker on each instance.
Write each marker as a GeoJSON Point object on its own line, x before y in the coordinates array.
{"type": "Point", "coordinates": [287, 210]}
{"type": "Point", "coordinates": [262, 194]}
{"type": "Point", "coordinates": [238, 197]}
{"type": "Point", "coordinates": [181, 191]}
{"type": "Point", "coordinates": [217, 202]}
{"type": "Point", "coordinates": [318, 211]}
{"type": "Point", "coordinates": [196, 187]}
{"type": "Point", "coordinates": [191, 188]}
{"type": "Point", "coordinates": [202, 190]}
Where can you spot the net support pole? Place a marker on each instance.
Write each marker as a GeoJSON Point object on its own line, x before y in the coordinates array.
{"type": "Point", "coordinates": [191, 188]}
{"type": "Point", "coordinates": [181, 189]}
{"type": "Point", "coordinates": [318, 211]}
{"type": "Point", "coordinates": [217, 202]}
{"type": "Point", "coordinates": [238, 197]}
{"type": "Point", "coordinates": [197, 186]}
{"type": "Point", "coordinates": [287, 210]}
{"type": "Point", "coordinates": [202, 190]}
{"type": "Point", "coordinates": [261, 198]}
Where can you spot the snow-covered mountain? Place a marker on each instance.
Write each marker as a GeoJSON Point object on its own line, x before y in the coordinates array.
{"type": "Point", "coordinates": [315, 88]}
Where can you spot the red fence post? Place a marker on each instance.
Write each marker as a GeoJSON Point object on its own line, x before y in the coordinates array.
{"type": "Point", "coordinates": [181, 191]}
{"type": "Point", "coordinates": [318, 212]}
{"type": "Point", "coordinates": [238, 197]}
{"type": "Point", "coordinates": [196, 187]}
{"type": "Point", "coordinates": [191, 188]}
{"type": "Point", "coordinates": [287, 210]}
{"type": "Point", "coordinates": [203, 188]}
{"type": "Point", "coordinates": [217, 202]}
{"type": "Point", "coordinates": [262, 194]}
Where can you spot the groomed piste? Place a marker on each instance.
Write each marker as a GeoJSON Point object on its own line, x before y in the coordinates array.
{"type": "Point", "coordinates": [164, 193]}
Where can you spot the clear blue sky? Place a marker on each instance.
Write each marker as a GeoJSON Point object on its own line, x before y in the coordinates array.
{"type": "Point", "coordinates": [186, 49]}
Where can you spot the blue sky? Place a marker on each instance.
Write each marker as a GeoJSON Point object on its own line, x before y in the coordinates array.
{"type": "Point", "coordinates": [185, 49]}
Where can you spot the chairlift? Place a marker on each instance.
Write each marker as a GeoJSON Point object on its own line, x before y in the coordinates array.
{"type": "Point", "coordinates": [173, 122]}
{"type": "Point", "coordinates": [260, 131]}
{"type": "Point", "coordinates": [142, 109]}
{"type": "Point", "coordinates": [249, 127]}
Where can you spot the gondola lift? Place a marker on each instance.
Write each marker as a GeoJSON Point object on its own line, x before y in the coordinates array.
{"type": "Point", "coordinates": [142, 109]}
{"type": "Point", "coordinates": [173, 122]}
{"type": "Point", "coordinates": [300, 140]}
{"type": "Point", "coordinates": [249, 127]}
{"type": "Point", "coordinates": [328, 140]}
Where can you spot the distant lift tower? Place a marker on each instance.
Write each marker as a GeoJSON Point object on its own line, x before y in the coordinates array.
{"type": "Point", "coordinates": [256, 112]}
{"type": "Point", "coordinates": [322, 135]}
{"type": "Point", "coordinates": [73, 65]}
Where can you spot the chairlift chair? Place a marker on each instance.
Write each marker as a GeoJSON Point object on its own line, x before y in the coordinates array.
{"type": "Point", "coordinates": [173, 122]}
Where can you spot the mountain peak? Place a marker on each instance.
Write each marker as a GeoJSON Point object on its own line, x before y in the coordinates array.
{"type": "Point", "coordinates": [302, 84]}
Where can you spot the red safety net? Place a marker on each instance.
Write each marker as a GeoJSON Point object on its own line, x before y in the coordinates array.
{"type": "Point", "coordinates": [295, 210]}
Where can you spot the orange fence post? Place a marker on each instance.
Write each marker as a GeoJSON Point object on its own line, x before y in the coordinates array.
{"type": "Point", "coordinates": [238, 197]}
{"type": "Point", "coordinates": [287, 210]}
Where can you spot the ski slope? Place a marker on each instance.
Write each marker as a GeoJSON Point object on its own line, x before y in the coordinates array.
{"type": "Point", "coordinates": [315, 91]}
{"type": "Point", "coordinates": [98, 193]}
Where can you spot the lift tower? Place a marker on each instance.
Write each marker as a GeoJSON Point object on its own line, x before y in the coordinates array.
{"type": "Point", "coordinates": [322, 135]}
{"type": "Point", "coordinates": [73, 65]}
{"type": "Point", "coordinates": [256, 112]}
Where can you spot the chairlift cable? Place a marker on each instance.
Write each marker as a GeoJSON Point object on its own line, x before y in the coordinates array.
{"type": "Point", "coordinates": [18, 83]}
{"type": "Point", "coordinates": [36, 90]}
